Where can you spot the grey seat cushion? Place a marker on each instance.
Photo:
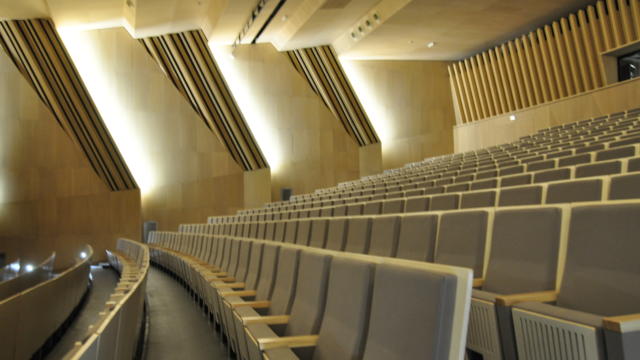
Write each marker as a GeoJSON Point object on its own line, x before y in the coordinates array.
{"type": "Point", "coordinates": [478, 199]}
{"type": "Point", "coordinates": [562, 313]}
{"type": "Point", "coordinates": [575, 191]}
{"type": "Point", "coordinates": [461, 240]}
{"type": "Point", "coordinates": [625, 187]}
{"type": "Point", "coordinates": [526, 195]}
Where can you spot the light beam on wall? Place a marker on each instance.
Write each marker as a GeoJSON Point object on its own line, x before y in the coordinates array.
{"type": "Point", "coordinates": [112, 106]}
{"type": "Point", "coordinates": [374, 107]}
{"type": "Point", "coordinates": [258, 122]}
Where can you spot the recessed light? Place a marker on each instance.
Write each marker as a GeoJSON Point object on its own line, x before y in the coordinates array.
{"type": "Point", "coordinates": [431, 44]}
{"type": "Point", "coordinates": [512, 117]}
{"type": "Point", "coordinates": [285, 17]}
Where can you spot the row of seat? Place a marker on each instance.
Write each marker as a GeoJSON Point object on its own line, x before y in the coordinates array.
{"type": "Point", "coordinates": [581, 258]}
{"type": "Point", "coordinates": [116, 332]}
{"type": "Point", "coordinates": [287, 301]}
{"type": "Point", "coordinates": [582, 189]}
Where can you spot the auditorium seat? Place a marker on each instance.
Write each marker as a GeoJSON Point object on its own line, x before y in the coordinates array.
{"type": "Point", "coordinates": [417, 237]}
{"type": "Point", "coordinates": [597, 169]}
{"type": "Point", "coordinates": [384, 235]}
{"type": "Point", "coordinates": [477, 199]}
{"type": "Point", "coordinates": [574, 191]}
{"type": "Point", "coordinates": [358, 235]}
{"type": "Point", "coordinates": [462, 238]}
{"type": "Point", "coordinates": [521, 195]}
{"type": "Point", "coordinates": [625, 187]}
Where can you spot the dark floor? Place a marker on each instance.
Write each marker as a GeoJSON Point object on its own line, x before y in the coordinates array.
{"type": "Point", "coordinates": [104, 281]}
{"type": "Point", "coordinates": [178, 328]}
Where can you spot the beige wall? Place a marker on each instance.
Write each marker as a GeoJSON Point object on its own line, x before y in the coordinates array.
{"type": "Point", "coordinates": [306, 146]}
{"type": "Point", "coordinates": [409, 104]}
{"type": "Point", "coordinates": [184, 171]}
{"type": "Point", "coordinates": [50, 197]}
{"type": "Point", "coordinates": [499, 130]}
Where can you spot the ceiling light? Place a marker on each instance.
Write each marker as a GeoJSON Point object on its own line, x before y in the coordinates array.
{"type": "Point", "coordinates": [431, 44]}
{"type": "Point", "coordinates": [15, 266]}
{"type": "Point", "coordinates": [28, 268]}
{"type": "Point", "coordinates": [83, 255]}
{"type": "Point", "coordinates": [285, 17]}
{"type": "Point", "coordinates": [512, 117]}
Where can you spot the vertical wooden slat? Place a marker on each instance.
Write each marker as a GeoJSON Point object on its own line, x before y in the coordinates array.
{"type": "Point", "coordinates": [462, 101]}
{"type": "Point", "coordinates": [635, 16]}
{"type": "Point", "coordinates": [587, 45]}
{"type": "Point", "coordinates": [472, 90]}
{"type": "Point", "coordinates": [525, 71]}
{"type": "Point", "coordinates": [500, 85]}
{"type": "Point", "coordinates": [548, 65]}
{"type": "Point", "coordinates": [555, 62]}
{"type": "Point", "coordinates": [581, 54]}
{"type": "Point", "coordinates": [598, 41]}
{"type": "Point", "coordinates": [485, 86]}
{"type": "Point", "coordinates": [478, 86]}
{"type": "Point", "coordinates": [456, 96]}
{"type": "Point", "coordinates": [563, 58]}
{"type": "Point", "coordinates": [614, 17]}
{"type": "Point", "coordinates": [491, 82]}
{"type": "Point", "coordinates": [540, 72]}
{"type": "Point", "coordinates": [512, 82]}
{"type": "Point", "coordinates": [627, 26]}
{"type": "Point", "coordinates": [571, 55]}
{"type": "Point", "coordinates": [517, 74]}
{"type": "Point", "coordinates": [603, 20]}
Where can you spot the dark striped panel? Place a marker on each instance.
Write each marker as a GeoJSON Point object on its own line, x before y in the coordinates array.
{"type": "Point", "coordinates": [36, 49]}
{"type": "Point", "coordinates": [320, 66]}
{"type": "Point", "coordinates": [186, 59]}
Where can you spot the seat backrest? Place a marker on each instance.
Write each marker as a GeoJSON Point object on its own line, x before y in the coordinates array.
{"type": "Point", "coordinates": [598, 169]}
{"type": "Point", "coordinates": [416, 204]}
{"type": "Point", "coordinates": [422, 308]}
{"type": "Point", "coordinates": [552, 175]}
{"type": "Point", "coordinates": [384, 235]}
{"type": "Point", "coordinates": [284, 286]}
{"type": "Point", "coordinates": [523, 195]}
{"type": "Point", "coordinates": [233, 256]}
{"type": "Point", "coordinates": [616, 153]}
{"type": "Point", "coordinates": [515, 180]}
{"type": "Point", "coordinates": [462, 238]}
{"type": "Point", "coordinates": [602, 271]}
{"type": "Point", "coordinates": [311, 290]}
{"type": "Point", "coordinates": [318, 235]}
{"type": "Point", "coordinates": [625, 187]}
{"type": "Point", "coordinates": [243, 260]}
{"type": "Point", "coordinates": [393, 206]}
{"type": "Point", "coordinates": [344, 323]}
{"type": "Point", "coordinates": [478, 199]}
{"type": "Point", "coordinates": [574, 191]}
{"type": "Point", "coordinates": [354, 209]}
{"type": "Point", "coordinates": [417, 237]}
{"type": "Point", "coordinates": [255, 263]}
{"type": "Point", "coordinates": [574, 160]}
{"type": "Point", "coordinates": [372, 208]}
{"type": "Point", "coordinates": [336, 234]}
{"type": "Point", "coordinates": [484, 184]}
{"type": "Point", "coordinates": [444, 202]}
{"type": "Point", "coordinates": [634, 165]}
{"type": "Point", "coordinates": [358, 235]}
{"type": "Point", "coordinates": [303, 233]}
{"type": "Point", "coordinates": [268, 269]}
{"type": "Point", "coordinates": [290, 229]}
{"type": "Point", "coordinates": [524, 250]}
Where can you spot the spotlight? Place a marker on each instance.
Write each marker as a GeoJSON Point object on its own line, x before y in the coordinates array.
{"type": "Point", "coordinates": [431, 44]}
{"type": "Point", "coordinates": [15, 267]}
{"type": "Point", "coordinates": [28, 268]}
{"type": "Point", "coordinates": [512, 117]}
{"type": "Point", "coordinates": [83, 255]}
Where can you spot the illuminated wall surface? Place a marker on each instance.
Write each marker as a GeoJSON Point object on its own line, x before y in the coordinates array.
{"type": "Point", "coordinates": [184, 172]}
{"type": "Point", "coordinates": [305, 144]}
{"type": "Point", "coordinates": [409, 104]}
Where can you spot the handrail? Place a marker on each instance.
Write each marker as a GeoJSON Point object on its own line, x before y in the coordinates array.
{"type": "Point", "coordinates": [115, 333]}
{"type": "Point", "coordinates": [27, 278]}
{"type": "Point", "coordinates": [31, 316]}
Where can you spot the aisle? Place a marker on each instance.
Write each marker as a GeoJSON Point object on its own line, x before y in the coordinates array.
{"type": "Point", "coordinates": [178, 328]}
{"type": "Point", "coordinates": [104, 281]}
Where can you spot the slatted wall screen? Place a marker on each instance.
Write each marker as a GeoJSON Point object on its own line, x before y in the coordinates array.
{"type": "Point", "coordinates": [186, 59]}
{"type": "Point", "coordinates": [322, 69]}
{"type": "Point", "coordinates": [553, 62]}
{"type": "Point", "coordinates": [35, 48]}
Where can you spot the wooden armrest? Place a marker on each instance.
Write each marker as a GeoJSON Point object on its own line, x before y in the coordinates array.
{"type": "Point", "coordinates": [256, 304]}
{"type": "Point", "coordinates": [227, 285]}
{"type": "Point", "coordinates": [240, 293]}
{"type": "Point", "coordinates": [215, 275]}
{"type": "Point", "coordinates": [228, 279]}
{"type": "Point", "coordinates": [478, 282]}
{"type": "Point", "coordinates": [540, 296]}
{"type": "Point", "coordinates": [269, 320]}
{"type": "Point", "coordinates": [288, 341]}
{"type": "Point", "coordinates": [622, 323]}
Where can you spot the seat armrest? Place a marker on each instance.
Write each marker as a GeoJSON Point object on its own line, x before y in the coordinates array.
{"type": "Point", "coordinates": [623, 323]}
{"type": "Point", "coordinates": [238, 285]}
{"type": "Point", "coordinates": [241, 293]}
{"type": "Point", "coordinates": [269, 320]}
{"type": "Point", "coordinates": [477, 283]}
{"type": "Point", "coordinates": [288, 341]}
{"type": "Point", "coordinates": [256, 304]}
{"type": "Point", "coordinates": [540, 296]}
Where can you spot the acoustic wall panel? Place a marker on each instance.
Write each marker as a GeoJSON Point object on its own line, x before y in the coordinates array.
{"type": "Point", "coordinates": [35, 48]}
{"type": "Point", "coordinates": [186, 59]}
{"type": "Point", "coordinates": [321, 68]}
{"type": "Point", "coordinates": [553, 62]}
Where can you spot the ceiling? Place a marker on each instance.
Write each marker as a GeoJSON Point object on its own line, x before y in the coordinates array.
{"type": "Point", "coordinates": [367, 29]}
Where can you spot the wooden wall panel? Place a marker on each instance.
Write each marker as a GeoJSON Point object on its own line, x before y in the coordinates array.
{"type": "Point", "coordinates": [411, 101]}
{"type": "Point", "coordinates": [558, 60]}
{"type": "Point", "coordinates": [191, 173]}
{"type": "Point", "coordinates": [312, 148]}
{"type": "Point", "coordinates": [499, 129]}
{"type": "Point", "coordinates": [50, 197]}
